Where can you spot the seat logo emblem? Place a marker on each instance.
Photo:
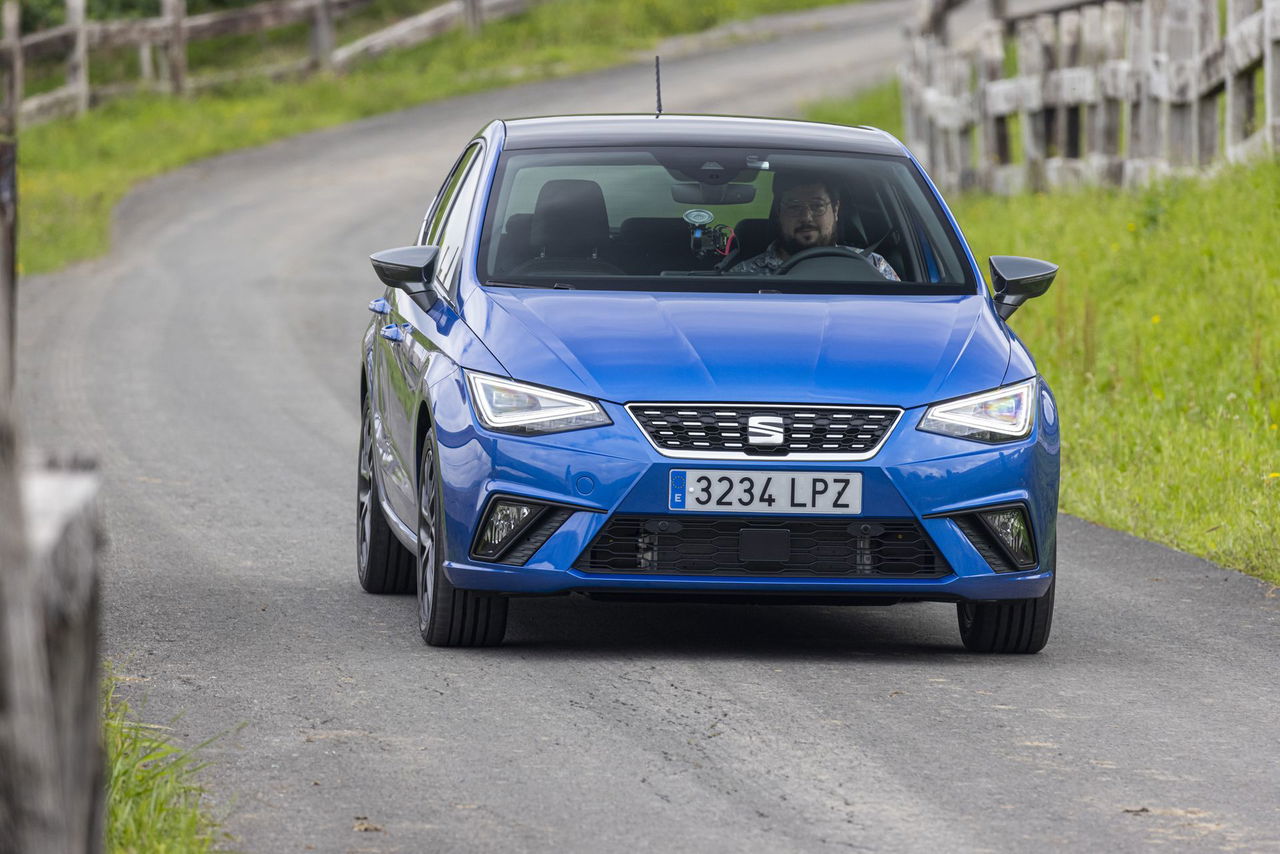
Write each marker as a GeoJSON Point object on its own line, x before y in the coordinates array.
{"type": "Point", "coordinates": [764, 429]}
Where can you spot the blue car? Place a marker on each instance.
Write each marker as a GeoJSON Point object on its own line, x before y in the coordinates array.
{"type": "Point", "coordinates": [706, 358]}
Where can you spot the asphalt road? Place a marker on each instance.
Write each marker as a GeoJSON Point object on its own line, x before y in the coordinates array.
{"type": "Point", "coordinates": [210, 363]}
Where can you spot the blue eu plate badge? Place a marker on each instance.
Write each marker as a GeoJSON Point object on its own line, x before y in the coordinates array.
{"type": "Point", "coordinates": [677, 490]}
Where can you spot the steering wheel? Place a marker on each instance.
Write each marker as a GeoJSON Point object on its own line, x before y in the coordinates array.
{"type": "Point", "coordinates": [816, 252]}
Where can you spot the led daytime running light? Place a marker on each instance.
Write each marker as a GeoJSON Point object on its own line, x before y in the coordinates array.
{"type": "Point", "coordinates": [504, 404]}
{"type": "Point", "coordinates": [1004, 414]}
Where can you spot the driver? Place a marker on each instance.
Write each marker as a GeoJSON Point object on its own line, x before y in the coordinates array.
{"type": "Point", "coordinates": [805, 213]}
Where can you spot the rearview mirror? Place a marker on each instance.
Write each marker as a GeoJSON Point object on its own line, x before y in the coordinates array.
{"type": "Point", "coordinates": [1018, 279]}
{"type": "Point", "coordinates": [409, 268]}
{"type": "Point", "coordinates": [712, 194]}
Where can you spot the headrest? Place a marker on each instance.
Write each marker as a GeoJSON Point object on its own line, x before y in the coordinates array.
{"type": "Point", "coordinates": [518, 227]}
{"type": "Point", "coordinates": [570, 218]}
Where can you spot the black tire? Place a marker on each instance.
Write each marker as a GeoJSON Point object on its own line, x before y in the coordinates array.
{"type": "Point", "coordinates": [448, 616]}
{"type": "Point", "coordinates": [1012, 626]}
{"type": "Point", "coordinates": [383, 565]}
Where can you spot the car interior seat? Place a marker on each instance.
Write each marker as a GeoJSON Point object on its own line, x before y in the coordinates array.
{"type": "Point", "coordinates": [569, 230]}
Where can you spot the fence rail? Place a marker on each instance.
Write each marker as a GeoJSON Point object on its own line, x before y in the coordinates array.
{"type": "Point", "coordinates": [1102, 91]}
{"type": "Point", "coordinates": [162, 45]}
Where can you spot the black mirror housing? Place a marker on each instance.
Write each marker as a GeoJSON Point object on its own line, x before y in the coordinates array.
{"type": "Point", "coordinates": [409, 268]}
{"type": "Point", "coordinates": [1018, 279]}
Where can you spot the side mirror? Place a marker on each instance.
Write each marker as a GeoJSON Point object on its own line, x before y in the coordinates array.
{"type": "Point", "coordinates": [409, 268]}
{"type": "Point", "coordinates": [1017, 280]}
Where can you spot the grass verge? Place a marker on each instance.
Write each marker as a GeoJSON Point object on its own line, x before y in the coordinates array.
{"type": "Point", "coordinates": [153, 801]}
{"type": "Point", "coordinates": [73, 172]}
{"type": "Point", "coordinates": [1159, 339]}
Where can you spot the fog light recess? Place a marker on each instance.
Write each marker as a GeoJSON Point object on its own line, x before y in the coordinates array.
{"type": "Point", "coordinates": [1011, 530]}
{"type": "Point", "coordinates": [506, 520]}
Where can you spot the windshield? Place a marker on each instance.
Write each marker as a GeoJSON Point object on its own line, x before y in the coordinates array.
{"type": "Point", "coordinates": [717, 219]}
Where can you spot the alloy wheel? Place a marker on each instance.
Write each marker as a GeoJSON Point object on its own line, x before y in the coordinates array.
{"type": "Point", "coordinates": [427, 511]}
{"type": "Point", "coordinates": [364, 493]}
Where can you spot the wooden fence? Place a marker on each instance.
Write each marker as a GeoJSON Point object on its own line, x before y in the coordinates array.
{"type": "Point", "coordinates": [1091, 92]}
{"type": "Point", "coordinates": [162, 43]}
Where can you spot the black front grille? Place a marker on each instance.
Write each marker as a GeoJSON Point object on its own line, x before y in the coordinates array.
{"type": "Point", "coordinates": [804, 547]}
{"type": "Point", "coordinates": [841, 431]}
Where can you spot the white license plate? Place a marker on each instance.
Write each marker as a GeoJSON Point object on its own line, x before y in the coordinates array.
{"type": "Point", "coordinates": [720, 491]}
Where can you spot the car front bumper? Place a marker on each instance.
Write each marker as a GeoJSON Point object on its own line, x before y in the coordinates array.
{"type": "Point", "coordinates": [605, 471]}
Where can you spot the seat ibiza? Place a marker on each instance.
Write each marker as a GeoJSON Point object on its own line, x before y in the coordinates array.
{"type": "Point", "coordinates": [688, 356]}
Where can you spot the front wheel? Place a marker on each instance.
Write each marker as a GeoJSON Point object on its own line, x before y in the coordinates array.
{"type": "Point", "coordinates": [448, 616]}
{"type": "Point", "coordinates": [1011, 626]}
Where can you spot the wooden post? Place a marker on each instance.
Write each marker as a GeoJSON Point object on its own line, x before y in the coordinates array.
{"type": "Point", "coordinates": [8, 250]}
{"type": "Point", "coordinates": [78, 62]}
{"type": "Point", "coordinates": [322, 34]}
{"type": "Point", "coordinates": [472, 15]}
{"type": "Point", "coordinates": [1208, 128]}
{"type": "Point", "coordinates": [1180, 46]}
{"type": "Point", "coordinates": [14, 85]}
{"type": "Point", "coordinates": [1241, 93]}
{"type": "Point", "coordinates": [52, 789]}
{"type": "Point", "coordinates": [1114, 80]}
{"type": "Point", "coordinates": [1031, 68]}
{"type": "Point", "coordinates": [146, 63]}
{"type": "Point", "coordinates": [995, 128]}
{"type": "Point", "coordinates": [1068, 57]}
{"type": "Point", "coordinates": [1271, 71]}
{"type": "Point", "coordinates": [1137, 54]}
{"type": "Point", "coordinates": [176, 46]}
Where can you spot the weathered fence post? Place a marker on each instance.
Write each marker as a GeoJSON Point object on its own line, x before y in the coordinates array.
{"type": "Point", "coordinates": [14, 85]}
{"type": "Point", "coordinates": [472, 15]}
{"type": "Point", "coordinates": [1114, 75]}
{"type": "Point", "coordinates": [1067, 122]}
{"type": "Point", "coordinates": [175, 11]}
{"type": "Point", "coordinates": [1180, 45]}
{"type": "Point", "coordinates": [1271, 71]}
{"type": "Point", "coordinates": [78, 62]}
{"type": "Point", "coordinates": [1031, 67]}
{"type": "Point", "coordinates": [146, 64]}
{"type": "Point", "coordinates": [1209, 84]}
{"type": "Point", "coordinates": [322, 34]}
{"type": "Point", "coordinates": [995, 124]}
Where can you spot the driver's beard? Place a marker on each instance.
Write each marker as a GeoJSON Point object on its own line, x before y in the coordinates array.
{"type": "Point", "coordinates": [793, 246]}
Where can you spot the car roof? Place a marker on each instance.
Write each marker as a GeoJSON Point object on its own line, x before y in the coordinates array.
{"type": "Point", "coordinates": [704, 131]}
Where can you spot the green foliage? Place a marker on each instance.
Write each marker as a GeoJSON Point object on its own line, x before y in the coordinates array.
{"type": "Point", "coordinates": [73, 172]}
{"type": "Point", "coordinates": [41, 14]}
{"type": "Point", "coordinates": [1160, 340]}
{"type": "Point", "coordinates": [879, 107]}
{"type": "Point", "coordinates": [153, 803]}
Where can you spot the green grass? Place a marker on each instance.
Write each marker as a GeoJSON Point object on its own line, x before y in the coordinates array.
{"type": "Point", "coordinates": [73, 172]}
{"type": "Point", "coordinates": [1160, 340]}
{"type": "Point", "coordinates": [153, 801]}
{"type": "Point", "coordinates": [879, 107]}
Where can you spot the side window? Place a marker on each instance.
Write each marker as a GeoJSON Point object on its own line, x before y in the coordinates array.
{"type": "Point", "coordinates": [453, 229]}
{"type": "Point", "coordinates": [431, 226]}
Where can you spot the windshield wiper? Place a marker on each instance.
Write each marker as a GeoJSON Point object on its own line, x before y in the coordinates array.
{"type": "Point", "coordinates": [507, 283]}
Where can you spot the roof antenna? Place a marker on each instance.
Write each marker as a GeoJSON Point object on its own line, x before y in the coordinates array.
{"type": "Point", "coordinates": [657, 74]}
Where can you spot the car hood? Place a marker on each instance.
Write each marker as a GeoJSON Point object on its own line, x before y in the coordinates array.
{"type": "Point", "coordinates": [625, 346]}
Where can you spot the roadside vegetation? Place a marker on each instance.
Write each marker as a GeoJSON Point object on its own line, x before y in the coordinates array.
{"type": "Point", "coordinates": [73, 172]}
{"type": "Point", "coordinates": [153, 801]}
{"type": "Point", "coordinates": [1159, 338]}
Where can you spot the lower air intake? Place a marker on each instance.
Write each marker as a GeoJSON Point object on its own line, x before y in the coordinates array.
{"type": "Point", "coordinates": [754, 546]}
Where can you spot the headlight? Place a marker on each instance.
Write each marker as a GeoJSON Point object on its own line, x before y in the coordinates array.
{"type": "Point", "coordinates": [512, 407]}
{"type": "Point", "coordinates": [1002, 415]}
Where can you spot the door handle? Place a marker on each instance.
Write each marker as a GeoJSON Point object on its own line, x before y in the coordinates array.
{"type": "Point", "coordinates": [392, 332]}
{"type": "Point", "coordinates": [380, 306]}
